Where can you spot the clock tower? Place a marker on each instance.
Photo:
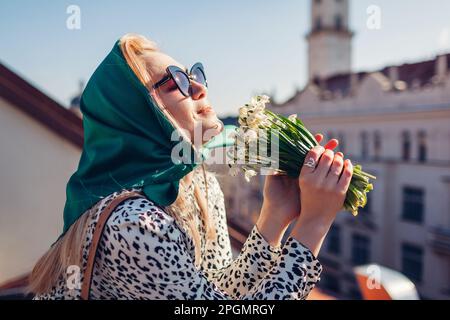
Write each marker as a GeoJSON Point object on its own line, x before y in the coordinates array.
{"type": "Point", "coordinates": [329, 39]}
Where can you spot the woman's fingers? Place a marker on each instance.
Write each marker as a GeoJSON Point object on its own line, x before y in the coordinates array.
{"type": "Point", "coordinates": [312, 159]}
{"type": "Point", "coordinates": [346, 177]}
{"type": "Point", "coordinates": [324, 164]}
{"type": "Point", "coordinates": [319, 137]}
{"type": "Point", "coordinates": [324, 161]}
{"type": "Point", "coordinates": [332, 144]}
{"type": "Point", "coordinates": [335, 169]}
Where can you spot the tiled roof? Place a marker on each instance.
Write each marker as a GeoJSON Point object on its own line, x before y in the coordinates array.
{"type": "Point", "coordinates": [421, 72]}
{"type": "Point", "coordinates": [414, 75]}
{"type": "Point", "coordinates": [339, 82]}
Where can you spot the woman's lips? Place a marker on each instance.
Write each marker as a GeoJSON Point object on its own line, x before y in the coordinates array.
{"type": "Point", "coordinates": [205, 110]}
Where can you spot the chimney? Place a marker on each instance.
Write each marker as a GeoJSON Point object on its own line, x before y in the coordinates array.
{"type": "Point", "coordinates": [441, 68]}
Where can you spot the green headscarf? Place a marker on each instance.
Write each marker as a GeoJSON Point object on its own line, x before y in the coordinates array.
{"type": "Point", "coordinates": [127, 142]}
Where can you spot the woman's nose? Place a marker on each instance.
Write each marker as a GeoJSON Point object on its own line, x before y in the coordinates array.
{"type": "Point", "coordinates": [199, 91]}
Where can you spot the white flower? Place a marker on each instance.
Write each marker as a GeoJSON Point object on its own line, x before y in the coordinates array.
{"type": "Point", "coordinates": [260, 100]}
{"type": "Point", "coordinates": [280, 124]}
{"type": "Point", "coordinates": [249, 174]}
{"type": "Point", "coordinates": [240, 154]}
{"type": "Point", "coordinates": [252, 123]}
{"type": "Point", "coordinates": [259, 109]}
{"type": "Point", "coordinates": [242, 121]}
{"type": "Point", "coordinates": [243, 112]}
{"type": "Point", "coordinates": [256, 108]}
{"type": "Point", "coordinates": [254, 101]}
{"type": "Point", "coordinates": [264, 99]}
{"type": "Point", "coordinates": [233, 135]}
{"type": "Point", "coordinates": [251, 135]}
{"type": "Point", "coordinates": [241, 131]}
{"type": "Point", "coordinates": [257, 120]}
{"type": "Point", "coordinates": [261, 117]}
{"type": "Point", "coordinates": [293, 117]}
{"type": "Point", "coordinates": [234, 170]}
{"type": "Point", "coordinates": [252, 110]}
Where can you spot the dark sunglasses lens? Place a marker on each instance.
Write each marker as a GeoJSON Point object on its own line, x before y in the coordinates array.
{"type": "Point", "coordinates": [182, 82]}
{"type": "Point", "coordinates": [199, 76]}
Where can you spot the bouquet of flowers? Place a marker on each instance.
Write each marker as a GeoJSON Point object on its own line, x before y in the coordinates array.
{"type": "Point", "coordinates": [287, 141]}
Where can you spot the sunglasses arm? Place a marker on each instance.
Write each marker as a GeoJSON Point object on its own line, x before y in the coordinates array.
{"type": "Point", "coordinates": [161, 82]}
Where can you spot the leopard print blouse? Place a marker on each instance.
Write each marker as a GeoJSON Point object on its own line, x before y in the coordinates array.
{"type": "Point", "coordinates": [145, 254]}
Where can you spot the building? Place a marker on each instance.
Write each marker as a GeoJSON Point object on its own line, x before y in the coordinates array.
{"type": "Point", "coordinates": [396, 123]}
{"type": "Point", "coordinates": [41, 144]}
{"type": "Point", "coordinates": [329, 39]}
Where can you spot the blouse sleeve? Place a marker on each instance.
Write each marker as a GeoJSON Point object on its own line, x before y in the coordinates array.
{"type": "Point", "coordinates": [149, 259]}
{"type": "Point", "coordinates": [251, 265]}
{"type": "Point", "coordinates": [256, 257]}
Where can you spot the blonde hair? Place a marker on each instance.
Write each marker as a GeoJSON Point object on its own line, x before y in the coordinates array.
{"type": "Point", "coordinates": [68, 249]}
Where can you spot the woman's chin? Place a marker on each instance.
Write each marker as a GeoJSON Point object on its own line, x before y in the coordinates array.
{"type": "Point", "coordinates": [211, 128]}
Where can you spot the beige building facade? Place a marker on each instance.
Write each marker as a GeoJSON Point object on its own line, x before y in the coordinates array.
{"type": "Point", "coordinates": [396, 123]}
{"type": "Point", "coordinates": [329, 40]}
{"type": "Point", "coordinates": [40, 145]}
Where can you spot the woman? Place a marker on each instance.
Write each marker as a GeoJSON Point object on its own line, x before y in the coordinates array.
{"type": "Point", "coordinates": [171, 241]}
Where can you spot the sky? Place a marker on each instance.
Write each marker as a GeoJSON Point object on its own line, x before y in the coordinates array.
{"type": "Point", "coordinates": [247, 47]}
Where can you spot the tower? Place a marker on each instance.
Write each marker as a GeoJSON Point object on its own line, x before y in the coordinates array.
{"type": "Point", "coordinates": [330, 39]}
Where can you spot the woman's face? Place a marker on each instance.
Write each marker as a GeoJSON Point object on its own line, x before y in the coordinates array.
{"type": "Point", "coordinates": [193, 114]}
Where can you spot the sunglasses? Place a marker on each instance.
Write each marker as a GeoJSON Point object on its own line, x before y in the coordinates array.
{"type": "Point", "coordinates": [182, 79]}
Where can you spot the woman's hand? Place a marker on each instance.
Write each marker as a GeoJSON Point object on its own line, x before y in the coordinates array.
{"type": "Point", "coordinates": [324, 181]}
{"type": "Point", "coordinates": [282, 202]}
{"type": "Point", "coordinates": [324, 184]}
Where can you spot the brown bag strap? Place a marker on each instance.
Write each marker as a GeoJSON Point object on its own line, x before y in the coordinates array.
{"type": "Point", "coordinates": [101, 222]}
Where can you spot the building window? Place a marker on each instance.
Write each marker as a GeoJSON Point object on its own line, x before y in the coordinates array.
{"type": "Point", "coordinates": [413, 204]}
{"type": "Point", "coordinates": [422, 149]}
{"type": "Point", "coordinates": [364, 145]}
{"type": "Point", "coordinates": [360, 249]}
{"type": "Point", "coordinates": [377, 145]}
{"type": "Point", "coordinates": [334, 240]}
{"type": "Point", "coordinates": [406, 145]}
{"type": "Point", "coordinates": [338, 22]}
{"type": "Point", "coordinates": [318, 23]}
{"type": "Point", "coordinates": [412, 262]}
